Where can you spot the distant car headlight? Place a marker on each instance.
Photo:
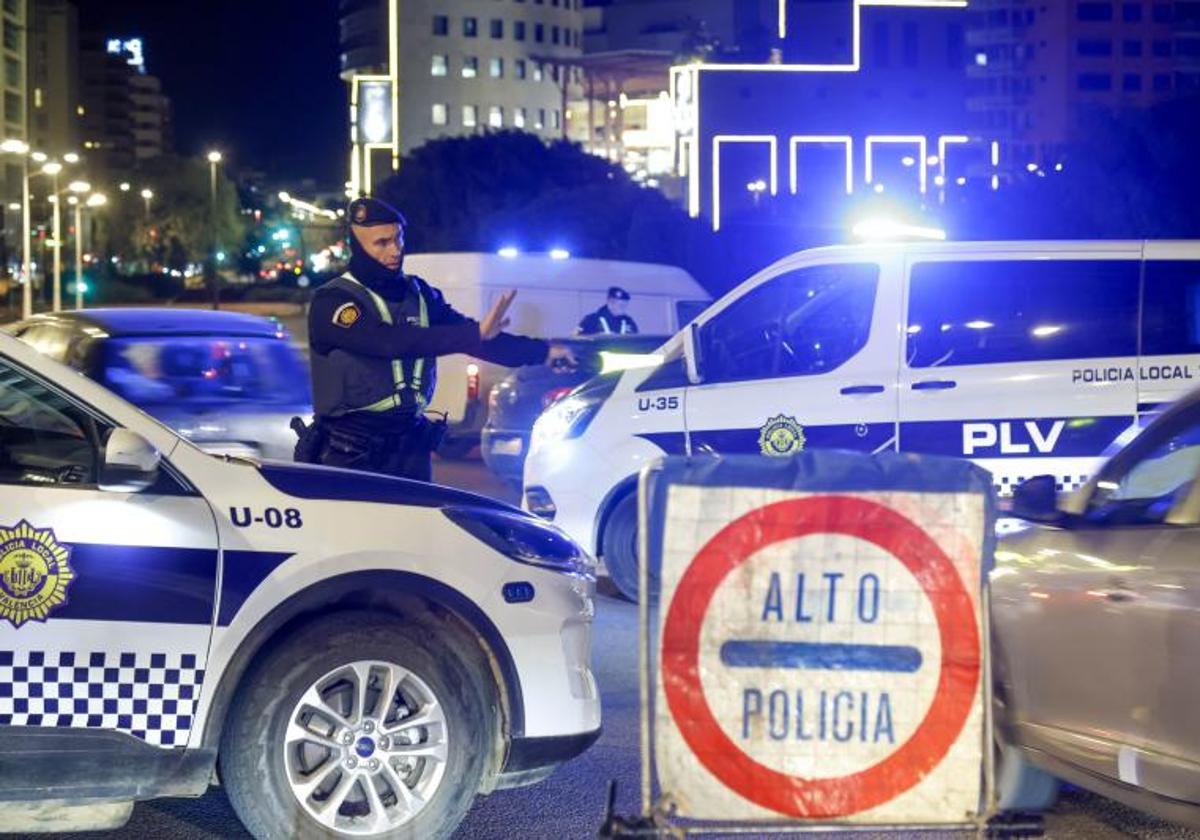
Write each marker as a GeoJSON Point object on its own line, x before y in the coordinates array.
{"type": "Point", "coordinates": [564, 420]}
{"type": "Point", "coordinates": [523, 539]}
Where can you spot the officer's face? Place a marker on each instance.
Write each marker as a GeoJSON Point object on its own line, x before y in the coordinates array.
{"type": "Point", "coordinates": [617, 306]}
{"type": "Point", "coordinates": [382, 243]}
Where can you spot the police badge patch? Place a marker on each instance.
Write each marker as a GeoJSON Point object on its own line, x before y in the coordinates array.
{"type": "Point", "coordinates": [35, 572]}
{"type": "Point", "coordinates": [781, 436]}
{"type": "Point", "coordinates": [346, 315]}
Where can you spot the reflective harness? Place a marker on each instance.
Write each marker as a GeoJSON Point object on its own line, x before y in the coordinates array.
{"type": "Point", "coordinates": [609, 330]}
{"type": "Point", "coordinates": [398, 378]}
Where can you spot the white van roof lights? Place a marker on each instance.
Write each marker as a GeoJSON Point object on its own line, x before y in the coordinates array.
{"type": "Point", "coordinates": [889, 230]}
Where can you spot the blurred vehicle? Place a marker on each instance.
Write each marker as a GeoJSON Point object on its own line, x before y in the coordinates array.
{"type": "Point", "coordinates": [228, 382]}
{"type": "Point", "coordinates": [1096, 623]}
{"type": "Point", "coordinates": [515, 402]}
{"type": "Point", "coordinates": [554, 291]}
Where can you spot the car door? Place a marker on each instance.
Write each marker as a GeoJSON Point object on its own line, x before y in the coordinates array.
{"type": "Point", "coordinates": [806, 358]}
{"type": "Point", "coordinates": [106, 603]}
{"type": "Point", "coordinates": [1022, 362]}
{"type": "Point", "coordinates": [1101, 638]}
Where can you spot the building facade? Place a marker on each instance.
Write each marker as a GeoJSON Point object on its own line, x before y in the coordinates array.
{"type": "Point", "coordinates": [53, 86]}
{"type": "Point", "coordinates": [464, 66]}
{"type": "Point", "coordinates": [150, 115]}
{"type": "Point", "coordinates": [126, 116]}
{"type": "Point", "coordinates": [1038, 69]}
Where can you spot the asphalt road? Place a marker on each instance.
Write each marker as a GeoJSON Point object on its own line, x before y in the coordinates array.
{"type": "Point", "coordinates": [570, 804]}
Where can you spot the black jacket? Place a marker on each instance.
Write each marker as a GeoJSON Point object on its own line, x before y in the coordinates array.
{"type": "Point", "coordinates": [353, 347]}
{"type": "Point", "coordinates": [603, 321]}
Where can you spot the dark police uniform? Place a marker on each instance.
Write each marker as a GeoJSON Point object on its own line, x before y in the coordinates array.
{"type": "Point", "coordinates": [374, 364]}
{"type": "Point", "coordinates": [605, 321]}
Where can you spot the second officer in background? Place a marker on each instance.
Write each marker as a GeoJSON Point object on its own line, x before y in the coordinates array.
{"type": "Point", "coordinates": [375, 334]}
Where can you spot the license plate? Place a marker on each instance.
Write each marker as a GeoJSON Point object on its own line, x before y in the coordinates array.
{"type": "Point", "coordinates": [512, 446]}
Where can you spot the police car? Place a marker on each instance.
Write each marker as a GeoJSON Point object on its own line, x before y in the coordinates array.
{"type": "Point", "coordinates": [1027, 357]}
{"type": "Point", "coordinates": [346, 653]}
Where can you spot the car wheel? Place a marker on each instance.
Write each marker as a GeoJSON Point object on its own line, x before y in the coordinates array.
{"type": "Point", "coordinates": [1020, 786]}
{"type": "Point", "coordinates": [619, 546]}
{"type": "Point", "coordinates": [358, 725]}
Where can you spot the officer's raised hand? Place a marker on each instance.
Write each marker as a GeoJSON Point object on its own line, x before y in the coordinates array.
{"type": "Point", "coordinates": [495, 320]}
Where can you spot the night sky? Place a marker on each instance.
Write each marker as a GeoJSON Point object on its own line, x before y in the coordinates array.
{"type": "Point", "coordinates": [257, 79]}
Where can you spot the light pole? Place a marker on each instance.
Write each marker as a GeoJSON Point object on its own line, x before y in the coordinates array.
{"type": "Point", "coordinates": [147, 194]}
{"type": "Point", "coordinates": [20, 148]}
{"type": "Point", "coordinates": [93, 200]}
{"type": "Point", "coordinates": [53, 168]}
{"type": "Point", "coordinates": [214, 158]}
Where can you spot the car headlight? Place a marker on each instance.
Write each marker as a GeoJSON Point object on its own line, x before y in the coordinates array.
{"type": "Point", "coordinates": [523, 539]}
{"type": "Point", "coordinates": [564, 420]}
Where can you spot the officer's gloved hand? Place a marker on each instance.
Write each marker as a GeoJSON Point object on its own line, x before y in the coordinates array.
{"type": "Point", "coordinates": [561, 357]}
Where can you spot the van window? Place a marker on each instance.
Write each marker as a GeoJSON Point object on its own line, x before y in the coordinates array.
{"type": "Point", "coordinates": [977, 313]}
{"type": "Point", "coordinates": [1171, 308]}
{"type": "Point", "coordinates": [805, 322]}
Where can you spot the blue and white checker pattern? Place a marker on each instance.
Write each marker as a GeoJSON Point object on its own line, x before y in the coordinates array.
{"type": "Point", "coordinates": [150, 696]}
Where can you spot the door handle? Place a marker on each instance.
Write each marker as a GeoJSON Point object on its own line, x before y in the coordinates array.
{"type": "Point", "coordinates": [862, 389]}
{"type": "Point", "coordinates": [934, 385]}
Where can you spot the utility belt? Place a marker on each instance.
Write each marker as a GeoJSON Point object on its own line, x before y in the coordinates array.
{"type": "Point", "coordinates": [418, 432]}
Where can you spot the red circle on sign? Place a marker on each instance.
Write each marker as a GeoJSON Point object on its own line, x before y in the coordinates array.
{"type": "Point", "coordinates": [957, 682]}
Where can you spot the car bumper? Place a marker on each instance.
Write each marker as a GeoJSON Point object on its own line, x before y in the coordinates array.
{"type": "Point", "coordinates": [530, 760]}
{"type": "Point", "coordinates": [504, 452]}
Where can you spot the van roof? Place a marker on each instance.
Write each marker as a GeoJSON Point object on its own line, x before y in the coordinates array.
{"type": "Point", "coordinates": [458, 270]}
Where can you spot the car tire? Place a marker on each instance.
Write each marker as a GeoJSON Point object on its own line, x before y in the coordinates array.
{"type": "Point", "coordinates": [1020, 786]}
{"type": "Point", "coordinates": [267, 762]}
{"type": "Point", "coordinates": [619, 546]}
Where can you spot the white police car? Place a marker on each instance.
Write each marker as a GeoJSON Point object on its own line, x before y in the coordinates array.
{"type": "Point", "coordinates": [1027, 357]}
{"type": "Point", "coordinates": [349, 654]}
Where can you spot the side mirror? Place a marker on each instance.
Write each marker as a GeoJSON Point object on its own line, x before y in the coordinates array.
{"type": "Point", "coordinates": [692, 354]}
{"type": "Point", "coordinates": [130, 462]}
{"type": "Point", "coordinates": [1036, 500]}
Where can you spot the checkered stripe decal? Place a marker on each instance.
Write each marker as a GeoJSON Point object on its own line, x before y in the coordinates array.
{"type": "Point", "coordinates": [1067, 483]}
{"type": "Point", "coordinates": [150, 696]}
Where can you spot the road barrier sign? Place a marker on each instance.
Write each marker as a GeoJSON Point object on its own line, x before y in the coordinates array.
{"type": "Point", "coordinates": [816, 645]}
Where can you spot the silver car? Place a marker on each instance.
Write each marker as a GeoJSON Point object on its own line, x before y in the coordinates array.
{"type": "Point", "coordinates": [1096, 625]}
{"type": "Point", "coordinates": [228, 382]}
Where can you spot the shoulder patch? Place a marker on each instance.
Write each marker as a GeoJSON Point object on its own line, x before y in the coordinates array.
{"type": "Point", "coordinates": [347, 315]}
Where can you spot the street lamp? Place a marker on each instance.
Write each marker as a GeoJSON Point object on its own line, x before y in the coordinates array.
{"type": "Point", "coordinates": [125, 186]}
{"type": "Point", "coordinates": [53, 168]}
{"type": "Point", "coordinates": [17, 147]}
{"type": "Point", "coordinates": [93, 200]}
{"type": "Point", "coordinates": [147, 194]}
{"type": "Point", "coordinates": [214, 158]}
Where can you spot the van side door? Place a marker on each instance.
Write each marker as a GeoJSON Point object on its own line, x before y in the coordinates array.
{"type": "Point", "coordinates": [1024, 363]}
{"type": "Point", "coordinates": [806, 358]}
{"type": "Point", "coordinates": [1169, 364]}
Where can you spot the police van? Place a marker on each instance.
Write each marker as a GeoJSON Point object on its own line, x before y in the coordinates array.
{"type": "Point", "coordinates": [345, 653]}
{"type": "Point", "coordinates": [1026, 357]}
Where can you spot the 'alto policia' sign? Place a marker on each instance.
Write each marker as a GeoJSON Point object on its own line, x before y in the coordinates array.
{"type": "Point", "coordinates": [819, 638]}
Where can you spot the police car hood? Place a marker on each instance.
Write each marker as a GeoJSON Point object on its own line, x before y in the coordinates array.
{"type": "Point", "coordinates": [331, 484]}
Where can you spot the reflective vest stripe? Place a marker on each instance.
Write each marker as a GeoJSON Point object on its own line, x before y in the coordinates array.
{"type": "Point", "coordinates": [604, 325]}
{"type": "Point", "coordinates": [392, 400]}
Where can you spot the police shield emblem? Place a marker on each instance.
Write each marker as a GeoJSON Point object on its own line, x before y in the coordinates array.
{"type": "Point", "coordinates": [781, 436]}
{"type": "Point", "coordinates": [35, 572]}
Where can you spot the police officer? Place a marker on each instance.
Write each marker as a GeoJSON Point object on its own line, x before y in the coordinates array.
{"type": "Point", "coordinates": [610, 319]}
{"type": "Point", "coordinates": [375, 334]}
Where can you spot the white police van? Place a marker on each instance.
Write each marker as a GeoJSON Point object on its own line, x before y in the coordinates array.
{"type": "Point", "coordinates": [347, 653]}
{"type": "Point", "coordinates": [1027, 357]}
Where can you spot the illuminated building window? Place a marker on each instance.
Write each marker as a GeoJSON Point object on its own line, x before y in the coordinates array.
{"type": "Point", "coordinates": [440, 114]}
{"type": "Point", "coordinates": [1131, 12]}
{"type": "Point", "coordinates": [555, 119]}
{"type": "Point", "coordinates": [496, 116]}
{"type": "Point", "coordinates": [1094, 48]}
{"type": "Point", "coordinates": [519, 117]}
{"type": "Point", "coordinates": [497, 27]}
{"type": "Point", "coordinates": [441, 25]}
{"type": "Point", "coordinates": [520, 68]}
{"type": "Point", "coordinates": [1132, 49]}
{"type": "Point", "coordinates": [1095, 81]}
{"type": "Point", "coordinates": [470, 68]}
{"type": "Point", "coordinates": [540, 123]}
{"type": "Point", "coordinates": [496, 68]}
{"type": "Point", "coordinates": [440, 65]}
{"type": "Point", "coordinates": [537, 72]}
{"type": "Point", "coordinates": [519, 30]}
{"type": "Point", "coordinates": [470, 115]}
{"type": "Point", "coordinates": [470, 27]}
{"type": "Point", "coordinates": [1132, 82]}
{"type": "Point", "coordinates": [1094, 11]}
{"type": "Point", "coordinates": [539, 32]}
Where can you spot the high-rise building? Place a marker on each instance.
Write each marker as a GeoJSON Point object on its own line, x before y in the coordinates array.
{"type": "Point", "coordinates": [1037, 69]}
{"type": "Point", "coordinates": [679, 27]}
{"type": "Point", "coordinates": [151, 116]}
{"type": "Point", "coordinates": [126, 117]}
{"type": "Point", "coordinates": [464, 67]}
{"type": "Point", "coordinates": [53, 87]}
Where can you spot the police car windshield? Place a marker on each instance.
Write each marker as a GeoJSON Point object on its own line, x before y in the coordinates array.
{"type": "Point", "coordinates": [156, 370]}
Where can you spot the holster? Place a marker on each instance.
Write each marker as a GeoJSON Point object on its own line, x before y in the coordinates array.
{"type": "Point", "coordinates": [311, 439]}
